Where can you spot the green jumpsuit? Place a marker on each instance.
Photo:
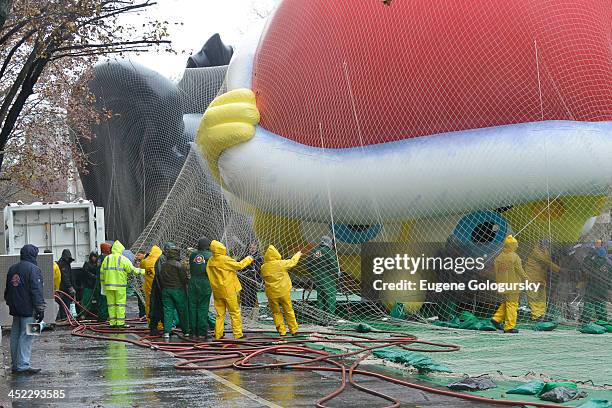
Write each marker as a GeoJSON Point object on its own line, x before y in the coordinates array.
{"type": "Point", "coordinates": [199, 293]}
{"type": "Point", "coordinates": [599, 271]}
{"type": "Point", "coordinates": [323, 266]}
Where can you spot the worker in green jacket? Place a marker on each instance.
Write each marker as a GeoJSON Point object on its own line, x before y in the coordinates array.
{"type": "Point", "coordinates": [322, 264]}
{"type": "Point", "coordinates": [598, 272]}
{"type": "Point", "coordinates": [200, 290]}
{"type": "Point", "coordinates": [113, 276]}
{"type": "Point", "coordinates": [174, 280]}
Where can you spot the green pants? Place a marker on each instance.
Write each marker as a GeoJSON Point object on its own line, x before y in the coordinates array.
{"type": "Point", "coordinates": [102, 305]}
{"type": "Point", "coordinates": [141, 306]}
{"type": "Point", "coordinates": [199, 301]}
{"type": "Point", "coordinates": [175, 299]}
{"type": "Point", "coordinates": [326, 294]}
{"type": "Point", "coordinates": [87, 301]}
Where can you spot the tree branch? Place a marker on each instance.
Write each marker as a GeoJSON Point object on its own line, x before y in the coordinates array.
{"type": "Point", "coordinates": [9, 56]}
{"type": "Point", "coordinates": [117, 12]}
{"type": "Point", "coordinates": [21, 77]}
{"type": "Point", "coordinates": [12, 31]}
{"type": "Point", "coordinates": [109, 45]}
{"type": "Point", "coordinates": [94, 53]}
{"type": "Point", "coordinates": [27, 88]}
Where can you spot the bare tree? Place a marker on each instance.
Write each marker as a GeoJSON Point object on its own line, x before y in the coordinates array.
{"type": "Point", "coordinates": [45, 47]}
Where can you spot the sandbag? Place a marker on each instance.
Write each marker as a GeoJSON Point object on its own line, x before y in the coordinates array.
{"type": "Point", "coordinates": [545, 326]}
{"type": "Point", "coordinates": [472, 384]}
{"type": "Point", "coordinates": [419, 361]}
{"type": "Point", "coordinates": [363, 328]}
{"type": "Point", "coordinates": [606, 325]}
{"type": "Point", "coordinates": [592, 328]}
{"type": "Point", "coordinates": [531, 388]}
{"type": "Point", "coordinates": [484, 325]}
{"type": "Point", "coordinates": [562, 394]}
{"type": "Point", "coordinates": [468, 320]}
{"type": "Point", "coordinates": [554, 384]}
{"type": "Point", "coordinates": [454, 324]}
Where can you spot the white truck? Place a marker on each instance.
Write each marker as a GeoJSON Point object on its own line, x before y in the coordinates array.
{"type": "Point", "coordinates": [77, 226]}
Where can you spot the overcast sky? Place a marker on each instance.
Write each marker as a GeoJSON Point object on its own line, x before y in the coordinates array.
{"type": "Point", "coordinates": [201, 19]}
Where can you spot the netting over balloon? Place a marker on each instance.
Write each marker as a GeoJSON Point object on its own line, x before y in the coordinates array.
{"type": "Point", "coordinates": [136, 155]}
{"type": "Point", "coordinates": [439, 128]}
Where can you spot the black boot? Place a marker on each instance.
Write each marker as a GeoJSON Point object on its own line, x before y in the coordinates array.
{"type": "Point", "coordinates": [511, 331]}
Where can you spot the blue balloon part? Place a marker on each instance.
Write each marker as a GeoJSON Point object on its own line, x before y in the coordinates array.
{"type": "Point", "coordinates": [349, 235]}
{"type": "Point", "coordinates": [468, 227]}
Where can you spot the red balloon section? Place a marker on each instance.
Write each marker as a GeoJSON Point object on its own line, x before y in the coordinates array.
{"type": "Point", "coordinates": [346, 73]}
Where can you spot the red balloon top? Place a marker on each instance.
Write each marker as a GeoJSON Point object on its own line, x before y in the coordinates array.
{"type": "Point", "coordinates": [345, 73]}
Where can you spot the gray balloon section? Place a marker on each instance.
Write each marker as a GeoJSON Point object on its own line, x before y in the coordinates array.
{"type": "Point", "coordinates": [137, 155]}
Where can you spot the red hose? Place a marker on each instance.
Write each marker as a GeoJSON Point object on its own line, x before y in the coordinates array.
{"type": "Point", "coordinates": [242, 351]}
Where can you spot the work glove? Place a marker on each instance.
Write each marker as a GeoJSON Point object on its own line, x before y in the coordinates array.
{"type": "Point", "coordinates": [39, 315]}
{"type": "Point", "coordinates": [229, 120]}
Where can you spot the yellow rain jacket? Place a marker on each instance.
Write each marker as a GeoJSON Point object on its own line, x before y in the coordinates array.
{"type": "Point", "coordinates": [508, 269]}
{"type": "Point", "coordinates": [148, 264]}
{"type": "Point", "coordinates": [57, 276]}
{"type": "Point", "coordinates": [115, 269]}
{"type": "Point", "coordinates": [274, 272]}
{"type": "Point", "coordinates": [507, 266]}
{"type": "Point", "coordinates": [538, 263]}
{"type": "Point", "coordinates": [221, 270]}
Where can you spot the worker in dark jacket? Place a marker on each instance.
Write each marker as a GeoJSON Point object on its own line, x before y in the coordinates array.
{"type": "Point", "coordinates": [24, 297]}
{"type": "Point", "coordinates": [173, 277]}
{"type": "Point", "coordinates": [90, 274]}
{"type": "Point", "coordinates": [66, 284]}
{"type": "Point", "coordinates": [156, 307]}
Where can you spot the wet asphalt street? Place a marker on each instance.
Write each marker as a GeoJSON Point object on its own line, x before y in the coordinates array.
{"type": "Point", "coordinates": [95, 373]}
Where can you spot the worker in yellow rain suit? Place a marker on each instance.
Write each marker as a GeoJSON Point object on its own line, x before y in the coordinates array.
{"type": "Point", "coordinates": [536, 269]}
{"type": "Point", "coordinates": [508, 269]}
{"type": "Point", "coordinates": [278, 288]}
{"type": "Point", "coordinates": [221, 271]}
{"type": "Point", "coordinates": [113, 276]}
{"type": "Point", "coordinates": [148, 264]}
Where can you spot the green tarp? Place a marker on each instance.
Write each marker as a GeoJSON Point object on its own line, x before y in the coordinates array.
{"type": "Point", "coordinates": [419, 361]}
